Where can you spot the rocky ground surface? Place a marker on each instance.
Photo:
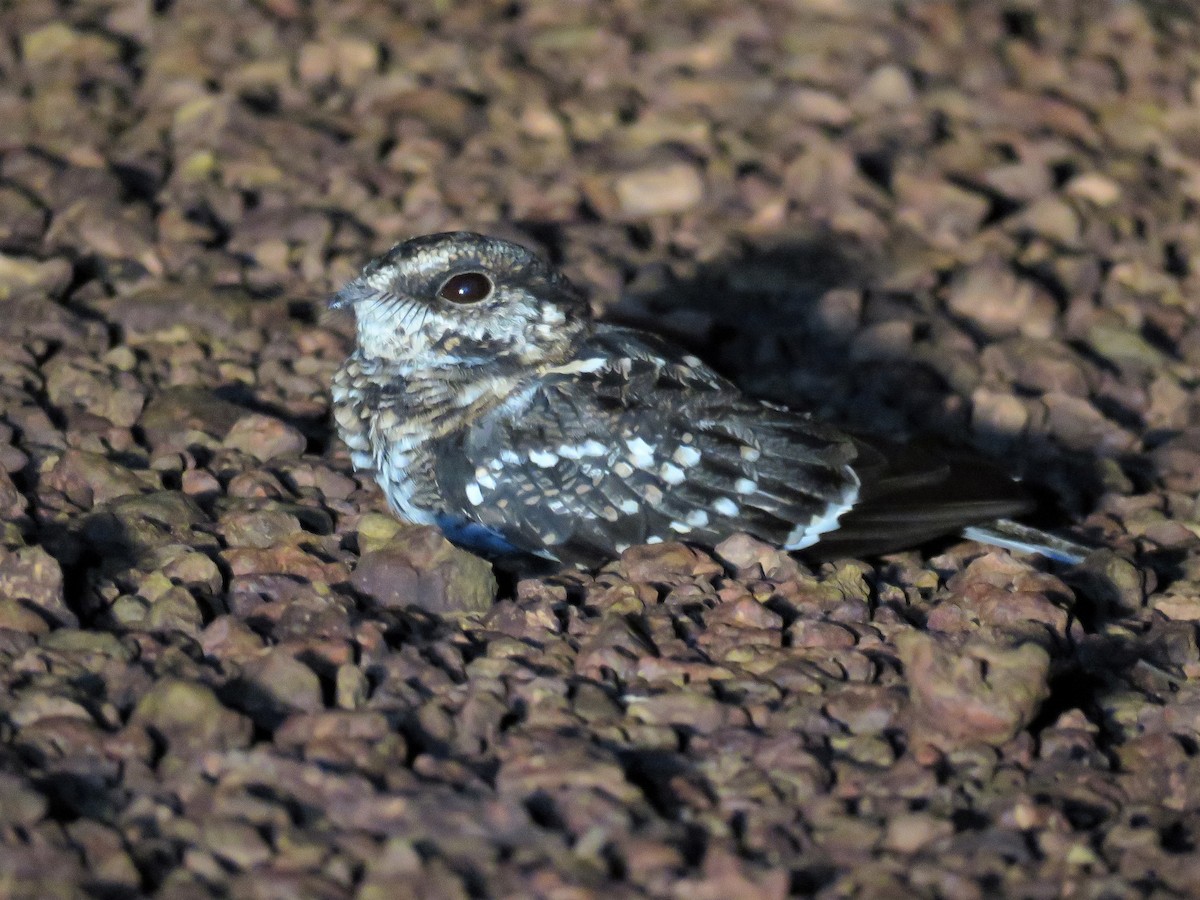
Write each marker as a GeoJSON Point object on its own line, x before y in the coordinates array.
{"type": "Point", "coordinates": [227, 672]}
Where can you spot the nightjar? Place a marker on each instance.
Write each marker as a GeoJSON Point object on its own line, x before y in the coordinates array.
{"type": "Point", "coordinates": [487, 401]}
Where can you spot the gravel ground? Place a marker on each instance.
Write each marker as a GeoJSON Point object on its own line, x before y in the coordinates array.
{"type": "Point", "coordinates": [227, 672]}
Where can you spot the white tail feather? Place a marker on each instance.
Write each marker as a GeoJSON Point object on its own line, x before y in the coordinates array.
{"type": "Point", "coordinates": [1014, 536]}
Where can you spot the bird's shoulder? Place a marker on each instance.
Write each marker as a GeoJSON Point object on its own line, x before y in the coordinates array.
{"type": "Point", "coordinates": [630, 366]}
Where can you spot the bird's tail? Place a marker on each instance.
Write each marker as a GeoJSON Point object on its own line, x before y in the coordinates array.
{"type": "Point", "coordinates": [911, 495]}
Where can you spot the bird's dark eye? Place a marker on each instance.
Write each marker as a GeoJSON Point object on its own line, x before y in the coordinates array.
{"type": "Point", "coordinates": [466, 287]}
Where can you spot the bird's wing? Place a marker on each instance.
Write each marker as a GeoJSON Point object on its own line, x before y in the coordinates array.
{"type": "Point", "coordinates": [632, 442]}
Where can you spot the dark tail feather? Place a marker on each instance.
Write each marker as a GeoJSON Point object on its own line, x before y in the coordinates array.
{"type": "Point", "coordinates": [910, 496]}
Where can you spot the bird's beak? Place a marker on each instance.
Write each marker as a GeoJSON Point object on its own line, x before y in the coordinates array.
{"type": "Point", "coordinates": [349, 295]}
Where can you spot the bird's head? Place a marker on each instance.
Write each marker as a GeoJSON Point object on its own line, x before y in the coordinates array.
{"type": "Point", "coordinates": [463, 299]}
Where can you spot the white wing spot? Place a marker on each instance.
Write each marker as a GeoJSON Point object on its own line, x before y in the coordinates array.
{"type": "Point", "coordinates": [590, 447]}
{"type": "Point", "coordinates": [654, 539]}
{"type": "Point", "coordinates": [672, 474]}
{"type": "Point", "coordinates": [543, 458]}
{"type": "Point", "coordinates": [686, 456]}
{"type": "Point", "coordinates": [697, 518]}
{"type": "Point", "coordinates": [726, 507]}
{"type": "Point", "coordinates": [750, 454]}
{"type": "Point", "coordinates": [622, 470]}
{"type": "Point", "coordinates": [474, 494]}
{"type": "Point", "coordinates": [745, 486]}
{"type": "Point", "coordinates": [629, 506]}
{"type": "Point", "coordinates": [681, 527]}
{"type": "Point", "coordinates": [641, 454]}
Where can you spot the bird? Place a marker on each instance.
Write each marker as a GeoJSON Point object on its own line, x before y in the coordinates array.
{"type": "Point", "coordinates": [488, 401]}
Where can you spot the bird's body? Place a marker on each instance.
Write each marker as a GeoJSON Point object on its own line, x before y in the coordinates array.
{"type": "Point", "coordinates": [487, 402]}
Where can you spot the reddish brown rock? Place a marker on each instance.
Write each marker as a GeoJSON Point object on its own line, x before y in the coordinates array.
{"type": "Point", "coordinates": [421, 568]}
{"type": "Point", "coordinates": [666, 562]}
{"type": "Point", "coordinates": [264, 437]}
{"type": "Point", "coordinates": [188, 718]}
{"type": "Point", "coordinates": [972, 691]}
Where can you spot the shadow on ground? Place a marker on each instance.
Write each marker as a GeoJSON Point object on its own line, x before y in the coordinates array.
{"type": "Point", "coordinates": [793, 321]}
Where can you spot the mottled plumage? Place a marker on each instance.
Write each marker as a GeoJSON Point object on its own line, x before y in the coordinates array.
{"type": "Point", "coordinates": [487, 402]}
